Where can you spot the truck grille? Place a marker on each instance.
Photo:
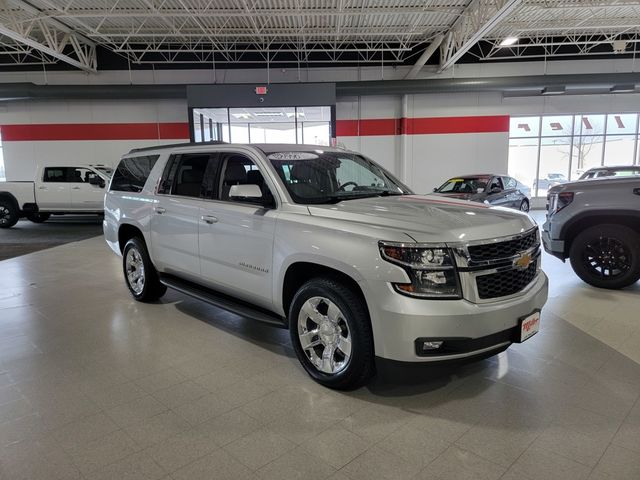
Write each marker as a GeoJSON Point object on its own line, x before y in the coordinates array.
{"type": "Point", "coordinates": [507, 248]}
{"type": "Point", "coordinates": [502, 284]}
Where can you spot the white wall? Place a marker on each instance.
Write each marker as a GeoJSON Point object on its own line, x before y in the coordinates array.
{"type": "Point", "coordinates": [428, 160]}
{"type": "Point", "coordinates": [22, 157]}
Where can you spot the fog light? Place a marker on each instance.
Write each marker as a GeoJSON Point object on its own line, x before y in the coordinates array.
{"type": "Point", "coordinates": [431, 345]}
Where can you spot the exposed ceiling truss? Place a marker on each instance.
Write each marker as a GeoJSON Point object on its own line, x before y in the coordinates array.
{"type": "Point", "coordinates": [565, 28]}
{"type": "Point", "coordinates": [24, 24]}
{"type": "Point", "coordinates": [308, 32]}
{"type": "Point", "coordinates": [478, 19]}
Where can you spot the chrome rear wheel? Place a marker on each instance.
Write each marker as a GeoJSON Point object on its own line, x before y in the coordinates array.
{"type": "Point", "coordinates": [134, 267]}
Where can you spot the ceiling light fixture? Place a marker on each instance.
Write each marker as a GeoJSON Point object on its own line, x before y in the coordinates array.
{"type": "Point", "coordinates": [507, 42]}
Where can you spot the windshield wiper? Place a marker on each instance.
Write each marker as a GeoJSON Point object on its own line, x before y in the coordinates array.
{"type": "Point", "coordinates": [356, 196]}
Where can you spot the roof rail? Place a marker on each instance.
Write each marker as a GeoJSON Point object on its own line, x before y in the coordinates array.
{"type": "Point", "coordinates": [175, 145]}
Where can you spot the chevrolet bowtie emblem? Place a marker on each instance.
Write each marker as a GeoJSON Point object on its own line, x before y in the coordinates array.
{"type": "Point", "coordinates": [523, 261]}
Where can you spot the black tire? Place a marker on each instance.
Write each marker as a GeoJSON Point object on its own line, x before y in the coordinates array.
{"type": "Point", "coordinates": [354, 322]}
{"type": "Point", "coordinates": [38, 217]}
{"type": "Point", "coordinates": [151, 289]}
{"type": "Point", "coordinates": [9, 214]}
{"type": "Point", "coordinates": [607, 256]}
{"type": "Point", "coordinates": [524, 205]}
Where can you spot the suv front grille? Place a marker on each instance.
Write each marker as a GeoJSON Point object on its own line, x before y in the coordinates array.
{"type": "Point", "coordinates": [502, 284]}
{"type": "Point", "coordinates": [505, 249]}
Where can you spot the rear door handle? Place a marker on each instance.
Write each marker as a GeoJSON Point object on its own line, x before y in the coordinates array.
{"type": "Point", "coordinates": [76, 188]}
{"type": "Point", "coordinates": [42, 188]}
{"type": "Point", "coordinates": [160, 210]}
{"type": "Point", "coordinates": [210, 219]}
{"type": "Point", "coordinates": [636, 191]}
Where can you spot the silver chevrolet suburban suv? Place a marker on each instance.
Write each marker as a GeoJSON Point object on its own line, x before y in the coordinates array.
{"type": "Point", "coordinates": [328, 244]}
{"type": "Point", "coordinates": [596, 224]}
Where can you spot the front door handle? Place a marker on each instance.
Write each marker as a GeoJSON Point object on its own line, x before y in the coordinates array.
{"type": "Point", "coordinates": [76, 188]}
{"type": "Point", "coordinates": [636, 191]}
{"type": "Point", "coordinates": [160, 210]}
{"type": "Point", "coordinates": [210, 219]}
{"type": "Point", "coordinates": [42, 188]}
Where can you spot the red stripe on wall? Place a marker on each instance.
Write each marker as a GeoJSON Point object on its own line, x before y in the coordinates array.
{"type": "Point", "coordinates": [368, 127]}
{"type": "Point", "coordinates": [440, 125]}
{"type": "Point", "coordinates": [180, 130]}
{"type": "Point", "coordinates": [422, 126]}
{"type": "Point", "coordinates": [95, 131]}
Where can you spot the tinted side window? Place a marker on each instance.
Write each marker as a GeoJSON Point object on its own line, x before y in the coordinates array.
{"type": "Point", "coordinates": [189, 175]}
{"type": "Point", "coordinates": [510, 182]}
{"type": "Point", "coordinates": [496, 182]}
{"type": "Point", "coordinates": [56, 174]}
{"type": "Point", "coordinates": [132, 173]}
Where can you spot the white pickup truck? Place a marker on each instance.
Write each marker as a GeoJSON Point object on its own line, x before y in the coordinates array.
{"type": "Point", "coordinates": [57, 190]}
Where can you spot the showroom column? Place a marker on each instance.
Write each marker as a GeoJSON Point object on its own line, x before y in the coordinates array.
{"type": "Point", "coordinates": [404, 163]}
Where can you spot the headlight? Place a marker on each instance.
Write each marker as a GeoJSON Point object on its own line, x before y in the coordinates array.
{"type": "Point", "coordinates": [431, 269]}
{"type": "Point", "coordinates": [557, 201]}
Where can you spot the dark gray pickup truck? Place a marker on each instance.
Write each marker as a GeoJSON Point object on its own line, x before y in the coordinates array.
{"type": "Point", "coordinates": [596, 224]}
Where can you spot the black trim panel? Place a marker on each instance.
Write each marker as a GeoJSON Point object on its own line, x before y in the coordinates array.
{"type": "Point", "coordinates": [595, 213]}
{"type": "Point", "coordinates": [462, 345]}
{"type": "Point", "coordinates": [223, 301]}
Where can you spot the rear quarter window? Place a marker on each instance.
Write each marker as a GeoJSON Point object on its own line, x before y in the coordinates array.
{"type": "Point", "coordinates": [132, 173]}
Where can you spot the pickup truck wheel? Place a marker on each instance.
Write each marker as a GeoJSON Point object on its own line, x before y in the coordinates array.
{"type": "Point", "coordinates": [607, 256]}
{"type": "Point", "coordinates": [8, 214]}
{"type": "Point", "coordinates": [38, 217]}
{"type": "Point", "coordinates": [139, 273]}
{"type": "Point", "coordinates": [331, 334]}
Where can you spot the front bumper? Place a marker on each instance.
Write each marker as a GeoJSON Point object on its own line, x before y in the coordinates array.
{"type": "Point", "coordinates": [553, 247]}
{"type": "Point", "coordinates": [398, 321]}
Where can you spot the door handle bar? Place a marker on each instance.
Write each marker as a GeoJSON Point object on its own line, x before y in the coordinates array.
{"type": "Point", "coordinates": [160, 210]}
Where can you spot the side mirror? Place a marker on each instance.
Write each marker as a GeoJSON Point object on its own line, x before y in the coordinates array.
{"type": "Point", "coordinates": [479, 190]}
{"type": "Point", "coordinates": [495, 190]}
{"type": "Point", "coordinates": [246, 192]}
{"type": "Point", "coordinates": [435, 189]}
{"type": "Point", "coordinates": [250, 194]}
{"type": "Point", "coordinates": [97, 181]}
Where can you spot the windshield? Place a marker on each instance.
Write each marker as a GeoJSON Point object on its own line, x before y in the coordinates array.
{"type": "Point", "coordinates": [464, 185]}
{"type": "Point", "coordinates": [330, 177]}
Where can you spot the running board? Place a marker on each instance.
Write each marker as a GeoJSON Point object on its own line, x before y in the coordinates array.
{"type": "Point", "coordinates": [222, 301]}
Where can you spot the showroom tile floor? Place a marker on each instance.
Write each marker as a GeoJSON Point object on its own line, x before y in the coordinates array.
{"type": "Point", "coordinates": [96, 386]}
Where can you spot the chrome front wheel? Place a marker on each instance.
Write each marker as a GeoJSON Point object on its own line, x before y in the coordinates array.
{"type": "Point", "coordinates": [324, 335]}
{"type": "Point", "coordinates": [331, 333]}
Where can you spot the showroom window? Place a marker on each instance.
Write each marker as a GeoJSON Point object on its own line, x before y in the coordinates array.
{"type": "Point", "coordinates": [310, 125]}
{"type": "Point", "coordinates": [3, 175]}
{"type": "Point", "coordinates": [552, 149]}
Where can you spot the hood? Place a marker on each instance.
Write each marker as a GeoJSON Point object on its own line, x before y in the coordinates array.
{"type": "Point", "coordinates": [595, 184]}
{"type": "Point", "coordinates": [429, 218]}
{"type": "Point", "coordinates": [463, 196]}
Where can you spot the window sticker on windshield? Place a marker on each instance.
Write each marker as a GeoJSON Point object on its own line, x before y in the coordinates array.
{"type": "Point", "coordinates": [293, 156]}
